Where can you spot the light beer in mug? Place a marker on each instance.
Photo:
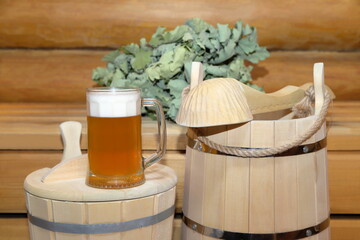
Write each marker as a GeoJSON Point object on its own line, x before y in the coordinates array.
{"type": "Point", "coordinates": [114, 138]}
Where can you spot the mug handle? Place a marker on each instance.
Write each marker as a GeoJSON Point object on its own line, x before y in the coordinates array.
{"type": "Point", "coordinates": [161, 148]}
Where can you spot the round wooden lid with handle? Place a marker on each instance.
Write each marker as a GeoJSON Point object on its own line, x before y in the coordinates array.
{"type": "Point", "coordinates": [66, 181]}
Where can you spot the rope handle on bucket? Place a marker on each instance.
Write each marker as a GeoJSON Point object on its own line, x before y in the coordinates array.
{"type": "Point", "coordinates": [300, 109]}
{"type": "Point", "coordinates": [316, 94]}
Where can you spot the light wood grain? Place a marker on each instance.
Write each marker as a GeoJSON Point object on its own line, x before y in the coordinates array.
{"type": "Point", "coordinates": [306, 175]}
{"type": "Point", "coordinates": [63, 75]}
{"type": "Point", "coordinates": [344, 111]}
{"type": "Point", "coordinates": [187, 182]}
{"type": "Point", "coordinates": [347, 136]}
{"type": "Point", "coordinates": [159, 178]}
{"type": "Point", "coordinates": [39, 128]}
{"type": "Point", "coordinates": [41, 208]}
{"type": "Point", "coordinates": [322, 189]}
{"type": "Point", "coordinates": [23, 163]}
{"type": "Point", "coordinates": [282, 24]}
{"type": "Point", "coordinates": [261, 179]}
{"type": "Point", "coordinates": [344, 177]}
{"type": "Point", "coordinates": [15, 166]}
{"type": "Point", "coordinates": [164, 229]}
{"type": "Point", "coordinates": [237, 194]}
{"type": "Point", "coordinates": [195, 181]}
{"type": "Point", "coordinates": [68, 212]}
{"type": "Point", "coordinates": [347, 228]}
{"type": "Point", "coordinates": [134, 209]}
{"type": "Point", "coordinates": [213, 191]}
{"type": "Point", "coordinates": [326, 234]}
{"type": "Point", "coordinates": [53, 71]}
{"type": "Point", "coordinates": [344, 182]}
{"type": "Point", "coordinates": [262, 185]}
{"type": "Point", "coordinates": [306, 180]}
{"type": "Point", "coordinates": [14, 228]}
{"type": "Point", "coordinates": [319, 86]}
{"type": "Point", "coordinates": [67, 170]}
{"type": "Point", "coordinates": [286, 202]}
{"type": "Point", "coordinates": [35, 126]}
{"type": "Point", "coordinates": [299, 70]}
{"type": "Point", "coordinates": [78, 212]}
{"type": "Point", "coordinates": [343, 135]}
{"type": "Point", "coordinates": [197, 74]}
{"type": "Point", "coordinates": [97, 213]}
{"type": "Point", "coordinates": [70, 134]}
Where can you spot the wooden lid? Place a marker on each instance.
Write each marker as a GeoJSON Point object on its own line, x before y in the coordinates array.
{"type": "Point", "coordinates": [159, 178]}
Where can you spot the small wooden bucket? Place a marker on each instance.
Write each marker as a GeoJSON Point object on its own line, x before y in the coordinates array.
{"type": "Point", "coordinates": [277, 197]}
{"type": "Point", "coordinates": [69, 209]}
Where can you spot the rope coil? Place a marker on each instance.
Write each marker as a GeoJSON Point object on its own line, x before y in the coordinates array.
{"type": "Point", "coordinates": [301, 109]}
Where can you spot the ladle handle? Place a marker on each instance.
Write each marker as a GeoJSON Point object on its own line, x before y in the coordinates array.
{"type": "Point", "coordinates": [319, 86]}
{"type": "Point", "coordinates": [197, 74]}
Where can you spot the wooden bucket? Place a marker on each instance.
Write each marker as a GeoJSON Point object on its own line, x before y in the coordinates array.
{"type": "Point", "coordinates": [61, 206]}
{"type": "Point", "coordinates": [68, 209]}
{"type": "Point", "coordinates": [276, 197]}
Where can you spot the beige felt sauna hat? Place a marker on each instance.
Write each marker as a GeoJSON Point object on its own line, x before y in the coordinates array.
{"type": "Point", "coordinates": [61, 206]}
{"type": "Point", "coordinates": [223, 101]}
{"type": "Point", "coordinates": [214, 102]}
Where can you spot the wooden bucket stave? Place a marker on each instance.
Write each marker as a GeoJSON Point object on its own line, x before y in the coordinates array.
{"type": "Point", "coordinates": [256, 195]}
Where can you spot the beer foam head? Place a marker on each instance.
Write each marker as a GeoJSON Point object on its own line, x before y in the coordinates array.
{"type": "Point", "coordinates": [113, 102]}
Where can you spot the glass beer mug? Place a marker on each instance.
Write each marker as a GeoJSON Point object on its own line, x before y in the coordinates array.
{"type": "Point", "coordinates": [114, 137]}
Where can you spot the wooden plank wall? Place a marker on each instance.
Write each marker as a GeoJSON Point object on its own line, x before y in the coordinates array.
{"type": "Point", "coordinates": [30, 140]}
{"type": "Point", "coordinates": [48, 49]}
{"type": "Point", "coordinates": [63, 75]}
{"type": "Point", "coordinates": [290, 25]}
{"type": "Point", "coordinates": [65, 37]}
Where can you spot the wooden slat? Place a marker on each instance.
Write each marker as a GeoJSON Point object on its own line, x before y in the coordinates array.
{"type": "Point", "coordinates": [286, 198]}
{"type": "Point", "coordinates": [42, 208]}
{"type": "Point", "coordinates": [344, 111]}
{"type": "Point", "coordinates": [344, 182]}
{"type": "Point", "coordinates": [341, 228]}
{"type": "Point", "coordinates": [14, 228]}
{"type": "Point", "coordinates": [36, 126]}
{"type": "Point", "coordinates": [16, 165]}
{"type": "Point", "coordinates": [272, 73]}
{"type": "Point", "coordinates": [177, 229]}
{"type": "Point", "coordinates": [344, 177]}
{"type": "Point", "coordinates": [213, 192]}
{"type": "Point", "coordinates": [347, 136]}
{"type": "Point", "coordinates": [97, 214]}
{"type": "Point", "coordinates": [282, 24]}
{"type": "Point", "coordinates": [345, 228]}
{"type": "Point", "coordinates": [262, 180]}
{"type": "Point", "coordinates": [306, 179]}
{"type": "Point", "coordinates": [195, 181]}
{"type": "Point", "coordinates": [63, 75]}
{"type": "Point", "coordinates": [53, 75]}
{"type": "Point", "coordinates": [45, 135]}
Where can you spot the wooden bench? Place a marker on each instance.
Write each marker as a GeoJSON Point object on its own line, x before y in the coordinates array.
{"type": "Point", "coordinates": [30, 140]}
